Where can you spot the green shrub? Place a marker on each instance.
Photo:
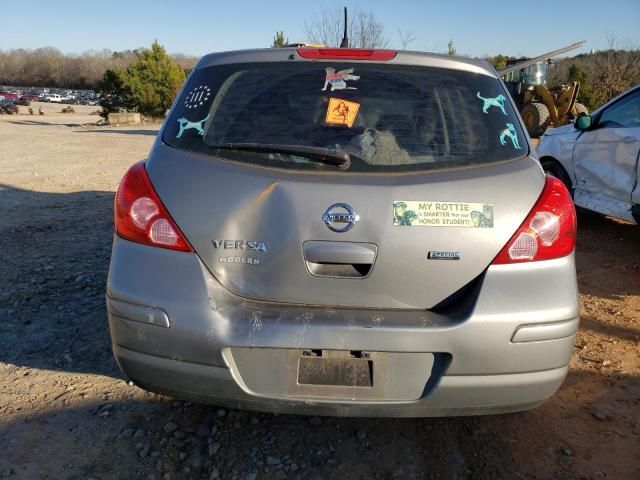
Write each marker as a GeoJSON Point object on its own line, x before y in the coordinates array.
{"type": "Point", "coordinates": [148, 85]}
{"type": "Point", "coordinates": [154, 80]}
{"type": "Point", "coordinates": [115, 96]}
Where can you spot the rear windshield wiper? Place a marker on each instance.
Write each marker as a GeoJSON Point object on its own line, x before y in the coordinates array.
{"type": "Point", "coordinates": [331, 156]}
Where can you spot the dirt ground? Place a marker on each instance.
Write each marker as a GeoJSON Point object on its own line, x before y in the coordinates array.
{"type": "Point", "coordinates": [66, 412]}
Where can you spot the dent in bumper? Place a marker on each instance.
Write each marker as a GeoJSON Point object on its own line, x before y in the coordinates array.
{"type": "Point", "coordinates": [205, 318]}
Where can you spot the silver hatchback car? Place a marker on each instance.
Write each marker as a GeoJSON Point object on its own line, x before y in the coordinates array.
{"type": "Point", "coordinates": [344, 232]}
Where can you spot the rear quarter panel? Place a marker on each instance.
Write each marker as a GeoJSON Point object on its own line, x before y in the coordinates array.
{"type": "Point", "coordinates": [558, 144]}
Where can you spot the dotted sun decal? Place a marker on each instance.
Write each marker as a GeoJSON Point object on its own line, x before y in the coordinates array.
{"type": "Point", "coordinates": [197, 97]}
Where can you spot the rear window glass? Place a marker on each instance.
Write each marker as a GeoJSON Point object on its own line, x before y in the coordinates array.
{"type": "Point", "coordinates": [387, 117]}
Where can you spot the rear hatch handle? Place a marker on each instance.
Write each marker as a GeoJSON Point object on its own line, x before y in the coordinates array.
{"type": "Point", "coordinates": [339, 259]}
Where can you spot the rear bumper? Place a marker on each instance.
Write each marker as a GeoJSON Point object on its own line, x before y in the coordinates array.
{"type": "Point", "coordinates": [175, 329]}
{"type": "Point", "coordinates": [455, 395]}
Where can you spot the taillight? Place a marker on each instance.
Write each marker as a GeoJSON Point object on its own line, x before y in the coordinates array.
{"type": "Point", "coordinates": [141, 217]}
{"type": "Point", "coordinates": [549, 231]}
{"type": "Point", "coordinates": [346, 54]}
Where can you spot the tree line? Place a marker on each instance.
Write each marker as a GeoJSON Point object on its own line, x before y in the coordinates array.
{"type": "Point", "coordinates": [49, 67]}
{"type": "Point", "coordinates": [147, 80]}
{"type": "Point", "coordinates": [602, 75]}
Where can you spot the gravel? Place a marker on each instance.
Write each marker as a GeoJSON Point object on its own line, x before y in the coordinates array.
{"type": "Point", "coordinates": [144, 451]}
{"type": "Point", "coordinates": [600, 415]}
{"type": "Point", "coordinates": [213, 448]}
{"type": "Point", "coordinates": [60, 389]}
{"type": "Point", "coordinates": [315, 421]}
{"type": "Point", "coordinates": [170, 427]}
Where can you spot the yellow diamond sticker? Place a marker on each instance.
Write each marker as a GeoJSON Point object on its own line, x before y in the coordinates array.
{"type": "Point", "coordinates": [341, 112]}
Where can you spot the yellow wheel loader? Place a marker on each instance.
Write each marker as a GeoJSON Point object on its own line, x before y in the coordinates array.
{"type": "Point", "coordinates": [541, 106]}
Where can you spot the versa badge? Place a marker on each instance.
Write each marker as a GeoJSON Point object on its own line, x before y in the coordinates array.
{"type": "Point", "coordinates": [250, 245]}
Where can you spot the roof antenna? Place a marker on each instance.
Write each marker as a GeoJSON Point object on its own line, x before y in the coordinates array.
{"type": "Point", "coordinates": [345, 38]}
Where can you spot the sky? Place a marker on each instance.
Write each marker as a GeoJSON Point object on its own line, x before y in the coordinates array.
{"type": "Point", "coordinates": [477, 28]}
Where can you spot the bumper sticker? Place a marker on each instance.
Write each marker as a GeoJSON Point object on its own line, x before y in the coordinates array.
{"type": "Point", "coordinates": [407, 213]}
{"type": "Point", "coordinates": [197, 97]}
{"type": "Point", "coordinates": [510, 132]}
{"type": "Point", "coordinates": [338, 80]}
{"type": "Point", "coordinates": [341, 112]}
{"type": "Point", "coordinates": [492, 102]}
{"type": "Point", "coordinates": [186, 125]}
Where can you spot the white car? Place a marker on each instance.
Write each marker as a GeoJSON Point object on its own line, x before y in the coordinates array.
{"type": "Point", "coordinates": [598, 157]}
{"type": "Point", "coordinates": [53, 98]}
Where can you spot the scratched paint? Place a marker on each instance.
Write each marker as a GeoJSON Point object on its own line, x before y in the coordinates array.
{"type": "Point", "coordinates": [142, 335]}
{"type": "Point", "coordinates": [266, 192]}
{"type": "Point", "coordinates": [331, 312]}
{"type": "Point", "coordinates": [305, 323]}
{"type": "Point", "coordinates": [211, 334]}
{"type": "Point", "coordinates": [255, 326]}
{"type": "Point", "coordinates": [426, 321]}
{"type": "Point", "coordinates": [212, 304]}
{"type": "Point", "coordinates": [256, 320]}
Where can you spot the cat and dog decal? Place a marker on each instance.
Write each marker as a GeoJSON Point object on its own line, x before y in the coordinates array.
{"type": "Point", "coordinates": [492, 102]}
{"type": "Point", "coordinates": [510, 130]}
{"type": "Point", "coordinates": [185, 124]}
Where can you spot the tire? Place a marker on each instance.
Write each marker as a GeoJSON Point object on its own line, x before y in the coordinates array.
{"type": "Point", "coordinates": [553, 167]}
{"type": "Point", "coordinates": [536, 118]}
{"type": "Point", "coordinates": [580, 109]}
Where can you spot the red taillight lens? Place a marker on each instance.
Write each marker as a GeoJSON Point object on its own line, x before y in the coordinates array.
{"type": "Point", "coordinates": [346, 54]}
{"type": "Point", "coordinates": [549, 231]}
{"type": "Point", "coordinates": [141, 217]}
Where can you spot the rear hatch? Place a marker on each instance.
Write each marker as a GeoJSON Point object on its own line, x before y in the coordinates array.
{"type": "Point", "coordinates": [435, 182]}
